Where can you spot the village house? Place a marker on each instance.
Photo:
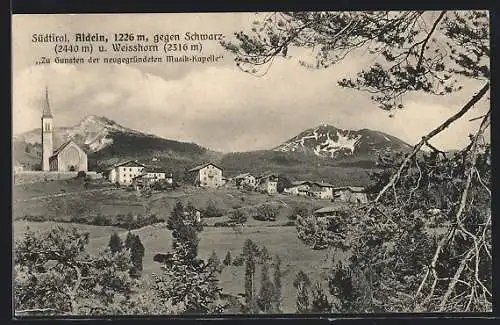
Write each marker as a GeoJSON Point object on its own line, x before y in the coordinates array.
{"type": "Point", "coordinates": [300, 188]}
{"type": "Point", "coordinates": [207, 175]}
{"type": "Point", "coordinates": [245, 180]}
{"type": "Point", "coordinates": [328, 210]}
{"type": "Point", "coordinates": [125, 172]}
{"type": "Point", "coordinates": [353, 194]}
{"type": "Point", "coordinates": [69, 157]}
{"type": "Point", "coordinates": [321, 190]}
{"type": "Point", "coordinates": [149, 176]}
{"type": "Point", "coordinates": [268, 183]}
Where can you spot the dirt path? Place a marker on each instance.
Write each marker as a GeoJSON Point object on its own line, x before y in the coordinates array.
{"type": "Point", "coordinates": [61, 194]}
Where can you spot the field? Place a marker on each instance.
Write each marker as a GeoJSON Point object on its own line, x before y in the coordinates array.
{"type": "Point", "coordinates": [282, 241]}
{"type": "Point", "coordinates": [63, 199]}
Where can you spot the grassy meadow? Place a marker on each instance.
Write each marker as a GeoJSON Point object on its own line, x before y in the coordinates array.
{"type": "Point", "coordinates": [60, 200]}
{"type": "Point", "coordinates": [283, 241]}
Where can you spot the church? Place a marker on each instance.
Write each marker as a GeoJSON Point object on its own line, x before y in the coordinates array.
{"type": "Point", "coordinates": [69, 157]}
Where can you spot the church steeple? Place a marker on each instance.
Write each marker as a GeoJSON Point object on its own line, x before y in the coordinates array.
{"type": "Point", "coordinates": [47, 137]}
{"type": "Point", "coordinates": [46, 106]}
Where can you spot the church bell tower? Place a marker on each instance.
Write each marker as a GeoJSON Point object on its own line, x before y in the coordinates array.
{"type": "Point", "coordinates": [47, 136]}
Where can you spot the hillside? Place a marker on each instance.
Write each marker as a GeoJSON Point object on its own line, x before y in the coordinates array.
{"type": "Point", "coordinates": [299, 166]}
{"type": "Point", "coordinates": [106, 142]}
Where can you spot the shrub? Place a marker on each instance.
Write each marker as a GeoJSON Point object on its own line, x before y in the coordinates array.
{"type": "Point", "coordinates": [81, 174]}
{"type": "Point", "coordinates": [237, 216]}
{"type": "Point", "coordinates": [211, 211]}
{"type": "Point", "coordinates": [266, 212]}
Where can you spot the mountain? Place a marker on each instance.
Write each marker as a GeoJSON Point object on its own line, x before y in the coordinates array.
{"type": "Point", "coordinates": [324, 153]}
{"type": "Point", "coordinates": [107, 142]}
{"type": "Point", "coordinates": [327, 141]}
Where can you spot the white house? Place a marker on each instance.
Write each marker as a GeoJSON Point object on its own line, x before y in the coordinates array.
{"type": "Point", "coordinates": [321, 190]}
{"type": "Point", "coordinates": [125, 172]}
{"type": "Point", "coordinates": [268, 183]}
{"type": "Point", "coordinates": [151, 175]}
{"type": "Point", "coordinates": [245, 179]}
{"type": "Point", "coordinates": [207, 175]}
{"type": "Point", "coordinates": [300, 188]}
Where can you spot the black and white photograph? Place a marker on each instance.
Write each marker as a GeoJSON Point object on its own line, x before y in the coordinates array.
{"type": "Point", "coordinates": [251, 163]}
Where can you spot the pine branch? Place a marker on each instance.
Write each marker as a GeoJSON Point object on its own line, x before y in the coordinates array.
{"type": "Point", "coordinates": [429, 136]}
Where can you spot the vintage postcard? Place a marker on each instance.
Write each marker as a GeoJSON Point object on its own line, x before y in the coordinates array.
{"type": "Point", "coordinates": [251, 163]}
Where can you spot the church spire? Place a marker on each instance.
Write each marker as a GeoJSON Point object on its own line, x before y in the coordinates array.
{"type": "Point", "coordinates": [46, 107]}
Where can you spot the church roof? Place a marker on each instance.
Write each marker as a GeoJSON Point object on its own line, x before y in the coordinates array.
{"type": "Point", "coordinates": [46, 106]}
{"type": "Point", "coordinates": [61, 148]}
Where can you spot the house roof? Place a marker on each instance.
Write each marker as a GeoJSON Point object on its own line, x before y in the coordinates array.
{"type": "Point", "coordinates": [298, 183]}
{"type": "Point", "coordinates": [350, 188]}
{"type": "Point", "coordinates": [321, 184]}
{"type": "Point", "coordinates": [242, 175]}
{"type": "Point", "coordinates": [46, 107]}
{"type": "Point", "coordinates": [194, 169]}
{"type": "Point", "coordinates": [61, 148]}
{"type": "Point", "coordinates": [331, 208]}
{"type": "Point", "coordinates": [154, 169]}
{"type": "Point", "coordinates": [315, 187]}
{"type": "Point", "coordinates": [127, 164]}
{"type": "Point", "coordinates": [267, 175]}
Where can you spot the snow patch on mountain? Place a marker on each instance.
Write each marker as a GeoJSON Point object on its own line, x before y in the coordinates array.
{"type": "Point", "coordinates": [328, 141]}
{"type": "Point", "coordinates": [330, 146]}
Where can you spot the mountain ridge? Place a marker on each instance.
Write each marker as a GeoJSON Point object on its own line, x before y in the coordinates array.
{"type": "Point", "coordinates": [323, 152]}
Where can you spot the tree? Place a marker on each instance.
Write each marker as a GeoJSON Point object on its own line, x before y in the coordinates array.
{"type": "Point", "coordinates": [267, 291]}
{"type": "Point", "coordinates": [250, 255]}
{"type": "Point", "coordinates": [277, 274]}
{"type": "Point", "coordinates": [237, 219]}
{"type": "Point", "coordinates": [429, 52]}
{"type": "Point", "coordinates": [115, 243]}
{"type": "Point", "coordinates": [302, 284]}
{"type": "Point", "coordinates": [134, 244]}
{"type": "Point", "coordinates": [409, 57]}
{"type": "Point", "coordinates": [320, 302]}
{"type": "Point", "coordinates": [267, 212]}
{"type": "Point", "coordinates": [227, 260]}
{"type": "Point", "coordinates": [215, 262]}
{"type": "Point", "coordinates": [55, 275]}
{"type": "Point", "coordinates": [188, 283]}
{"type": "Point", "coordinates": [211, 211]}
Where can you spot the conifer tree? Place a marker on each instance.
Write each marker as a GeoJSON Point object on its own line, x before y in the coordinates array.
{"type": "Point", "coordinates": [302, 284]}
{"type": "Point", "coordinates": [277, 274]}
{"type": "Point", "coordinates": [267, 291]}
{"type": "Point", "coordinates": [228, 259]}
{"type": "Point", "coordinates": [115, 243]}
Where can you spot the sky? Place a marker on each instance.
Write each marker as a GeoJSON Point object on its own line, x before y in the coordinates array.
{"type": "Point", "coordinates": [215, 105]}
